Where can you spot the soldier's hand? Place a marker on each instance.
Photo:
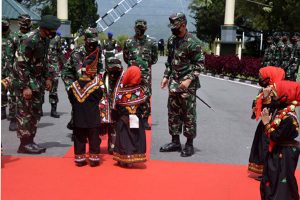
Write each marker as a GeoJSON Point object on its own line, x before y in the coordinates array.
{"type": "Point", "coordinates": [185, 84]}
{"type": "Point", "coordinates": [27, 93]}
{"type": "Point", "coordinates": [48, 85]}
{"type": "Point", "coordinates": [164, 83]}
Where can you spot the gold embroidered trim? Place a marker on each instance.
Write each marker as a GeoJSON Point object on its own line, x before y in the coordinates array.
{"type": "Point", "coordinates": [86, 90]}
{"type": "Point", "coordinates": [255, 168]}
{"type": "Point", "coordinates": [130, 158]}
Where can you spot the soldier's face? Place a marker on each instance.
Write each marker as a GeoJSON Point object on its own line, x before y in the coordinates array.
{"type": "Point", "coordinates": [140, 30]}
{"type": "Point", "coordinates": [50, 34]}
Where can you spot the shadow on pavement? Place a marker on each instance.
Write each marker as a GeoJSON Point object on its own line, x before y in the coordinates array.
{"type": "Point", "coordinates": [54, 144]}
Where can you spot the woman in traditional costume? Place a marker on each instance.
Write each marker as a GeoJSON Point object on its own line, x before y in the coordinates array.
{"type": "Point", "coordinates": [130, 144]}
{"type": "Point", "coordinates": [267, 76]}
{"type": "Point", "coordinates": [281, 127]}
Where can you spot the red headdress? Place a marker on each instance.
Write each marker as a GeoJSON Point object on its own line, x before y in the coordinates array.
{"type": "Point", "coordinates": [275, 74]}
{"type": "Point", "coordinates": [132, 76]}
{"type": "Point", "coordinates": [290, 89]}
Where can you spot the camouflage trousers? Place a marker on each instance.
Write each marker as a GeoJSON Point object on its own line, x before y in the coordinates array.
{"type": "Point", "coordinates": [53, 97]}
{"type": "Point", "coordinates": [4, 97]}
{"type": "Point", "coordinates": [148, 91]}
{"type": "Point", "coordinates": [182, 114]}
{"type": "Point", "coordinates": [9, 100]}
{"type": "Point", "coordinates": [28, 114]}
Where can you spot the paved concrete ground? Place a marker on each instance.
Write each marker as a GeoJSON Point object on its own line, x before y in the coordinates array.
{"type": "Point", "coordinates": [223, 136]}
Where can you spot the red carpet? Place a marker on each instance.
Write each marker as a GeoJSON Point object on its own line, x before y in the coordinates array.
{"type": "Point", "coordinates": [57, 178]}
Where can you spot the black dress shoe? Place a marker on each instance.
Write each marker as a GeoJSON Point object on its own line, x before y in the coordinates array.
{"type": "Point", "coordinates": [94, 163]}
{"type": "Point", "coordinates": [187, 151]}
{"type": "Point", "coordinates": [43, 149]}
{"type": "Point", "coordinates": [170, 147]}
{"type": "Point", "coordinates": [13, 125]}
{"type": "Point", "coordinates": [81, 164]}
{"type": "Point", "coordinates": [29, 149]}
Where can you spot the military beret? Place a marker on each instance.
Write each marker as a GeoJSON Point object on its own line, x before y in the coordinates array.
{"type": "Point", "coordinates": [141, 23]}
{"type": "Point", "coordinates": [176, 20]}
{"type": "Point", "coordinates": [50, 22]}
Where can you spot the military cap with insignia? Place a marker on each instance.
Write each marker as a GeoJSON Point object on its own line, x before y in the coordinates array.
{"type": "Point", "coordinates": [176, 20]}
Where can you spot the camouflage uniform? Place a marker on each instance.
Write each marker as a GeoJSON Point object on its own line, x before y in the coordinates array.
{"type": "Point", "coordinates": [72, 69]}
{"type": "Point", "coordinates": [6, 66]}
{"type": "Point", "coordinates": [24, 21]}
{"type": "Point", "coordinates": [286, 53]}
{"type": "Point", "coordinates": [278, 54]}
{"type": "Point", "coordinates": [268, 55]}
{"type": "Point", "coordinates": [294, 62]}
{"type": "Point", "coordinates": [109, 47]}
{"type": "Point", "coordinates": [56, 60]}
{"type": "Point", "coordinates": [32, 74]}
{"type": "Point", "coordinates": [142, 53]}
{"type": "Point", "coordinates": [185, 61]}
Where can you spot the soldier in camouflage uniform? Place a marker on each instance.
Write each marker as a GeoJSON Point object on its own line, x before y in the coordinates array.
{"type": "Point", "coordinates": [141, 51]}
{"type": "Point", "coordinates": [25, 26]}
{"type": "Point", "coordinates": [71, 70]}
{"type": "Point", "coordinates": [269, 52]}
{"type": "Point", "coordinates": [56, 60]}
{"type": "Point", "coordinates": [185, 61]}
{"type": "Point", "coordinates": [109, 46]}
{"type": "Point", "coordinates": [7, 59]}
{"type": "Point", "coordinates": [294, 61]}
{"type": "Point", "coordinates": [286, 52]}
{"type": "Point", "coordinates": [277, 58]}
{"type": "Point", "coordinates": [32, 77]}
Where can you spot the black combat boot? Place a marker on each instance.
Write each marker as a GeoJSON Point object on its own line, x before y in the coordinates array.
{"type": "Point", "coordinates": [173, 146]}
{"type": "Point", "coordinates": [146, 124]}
{"type": "Point", "coordinates": [27, 147]}
{"type": "Point", "coordinates": [3, 112]}
{"type": "Point", "coordinates": [188, 148]}
{"type": "Point", "coordinates": [43, 149]}
{"type": "Point", "coordinates": [13, 124]}
{"type": "Point", "coordinates": [53, 110]}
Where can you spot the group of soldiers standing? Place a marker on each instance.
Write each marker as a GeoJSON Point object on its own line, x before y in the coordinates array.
{"type": "Point", "coordinates": [34, 66]}
{"type": "Point", "coordinates": [283, 50]}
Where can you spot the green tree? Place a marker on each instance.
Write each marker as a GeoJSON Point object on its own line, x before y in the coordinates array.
{"type": "Point", "coordinates": [208, 15]}
{"type": "Point", "coordinates": [270, 15]}
{"type": "Point", "coordinates": [81, 13]}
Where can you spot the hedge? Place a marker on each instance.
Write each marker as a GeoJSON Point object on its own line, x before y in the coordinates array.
{"type": "Point", "coordinates": [232, 66]}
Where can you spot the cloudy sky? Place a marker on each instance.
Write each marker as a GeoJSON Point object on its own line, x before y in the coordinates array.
{"type": "Point", "coordinates": [156, 12]}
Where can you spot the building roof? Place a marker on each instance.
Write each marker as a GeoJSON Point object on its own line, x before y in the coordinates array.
{"type": "Point", "coordinates": [12, 9]}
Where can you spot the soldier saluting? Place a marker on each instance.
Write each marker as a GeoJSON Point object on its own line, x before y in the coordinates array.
{"type": "Point", "coordinates": [32, 77]}
{"type": "Point", "coordinates": [185, 61]}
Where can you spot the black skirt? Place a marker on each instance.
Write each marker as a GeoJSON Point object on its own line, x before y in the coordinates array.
{"type": "Point", "coordinates": [259, 150]}
{"type": "Point", "coordinates": [130, 145]}
{"type": "Point", "coordinates": [279, 181]}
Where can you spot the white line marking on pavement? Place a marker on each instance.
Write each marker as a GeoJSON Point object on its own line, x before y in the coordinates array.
{"type": "Point", "coordinates": [255, 86]}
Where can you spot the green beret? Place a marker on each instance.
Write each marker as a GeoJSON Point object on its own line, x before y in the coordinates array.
{"type": "Point", "coordinates": [50, 22]}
